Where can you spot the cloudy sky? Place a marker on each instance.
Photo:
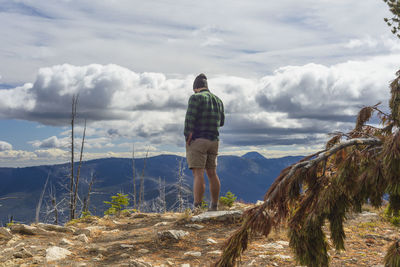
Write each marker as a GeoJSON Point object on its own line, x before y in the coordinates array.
{"type": "Point", "coordinates": [289, 73]}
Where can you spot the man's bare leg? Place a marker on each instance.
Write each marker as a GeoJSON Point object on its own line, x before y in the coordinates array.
{"type": "Point", "coordinates": [199, 185]}
{"type": "Point", "coordinates": [214, 186]}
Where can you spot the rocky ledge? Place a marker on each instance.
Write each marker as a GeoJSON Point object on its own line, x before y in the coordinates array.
{"type": "Point", "coordinates": [175, 239]}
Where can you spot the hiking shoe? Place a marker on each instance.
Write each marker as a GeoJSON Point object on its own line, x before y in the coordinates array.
{"type": "Point", "coordinates": [213, 207]}
{"type": "Point", "coordinates": [196, 210]}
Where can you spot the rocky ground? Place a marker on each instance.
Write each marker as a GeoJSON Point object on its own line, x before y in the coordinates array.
{"type": "Point", "coordinates": [176, 239]}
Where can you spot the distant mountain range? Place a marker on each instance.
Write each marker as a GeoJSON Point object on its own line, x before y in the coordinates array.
{"type": "Point", "coordinates": [248, 177]}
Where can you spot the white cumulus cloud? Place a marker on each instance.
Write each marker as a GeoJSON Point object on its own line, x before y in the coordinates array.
{"type": "Point", "coordinates": [51, 142]}
{"type": "Point", "coordinates": [4, 146]}
{"type": "Point", "coordinates": [294, 104]}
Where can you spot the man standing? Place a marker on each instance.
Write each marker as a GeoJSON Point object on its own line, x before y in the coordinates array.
{"type": "Point", "coordinates": [204, 116]}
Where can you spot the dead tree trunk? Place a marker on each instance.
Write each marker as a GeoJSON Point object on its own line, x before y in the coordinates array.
{"type": "Point", "coordinates": [71, 185]}
{"type": "Point", "coordinates": [79, 172]}
{"type": "Point", "coordinates": [134, 178]}
{"type": "Point", "coordinates": [141, 190]}
{"type": "Point", "coordinates": [41, 199]}
{"type": "Point", "coordinates": [86, 202]}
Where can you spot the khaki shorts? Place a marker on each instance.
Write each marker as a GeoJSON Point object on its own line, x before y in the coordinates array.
{"type": "Point", "coordinates": [202, 153]}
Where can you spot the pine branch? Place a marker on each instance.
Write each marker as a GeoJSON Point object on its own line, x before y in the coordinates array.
{"type": "Point", "coordinates": [262, 218]}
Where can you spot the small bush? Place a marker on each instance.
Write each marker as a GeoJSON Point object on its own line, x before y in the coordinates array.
{"type": "Point", "coordinates": [392, 216]}
{"type": "Point", "coordinates": [85, 214]}
{"type": "Point", "coordinates": [204, 204]}
{"type": "Point", "coordinates": [228, 199]}
{"type": "Point", "coordinates": [118, 203]}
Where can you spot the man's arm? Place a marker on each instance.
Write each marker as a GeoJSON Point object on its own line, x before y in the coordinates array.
{"type": "Point", "coordinates": [189, 139]}
{"type": "Point", "coordinates": [222, 115]}
{"type": "Point", "coordinates": [190, 118]}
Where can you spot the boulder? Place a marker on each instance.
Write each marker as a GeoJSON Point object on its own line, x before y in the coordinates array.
{"type": "Point", "coordinates": [194, 254]}
{"type": "Point", "coordinates": [95, 249]}
{"type": "Point", "coordinates": [127, 246]}
{"type": "Point", "coordinates": [27, 230]}
{"type": "Point", "coordinates": [211, 241]}
{"type": "Point", "coordinates": [173, 235]}
{"type": "Point", "coordinates": [143, 251]}
{"type": "Point", "coordinates": [66, 242]}
{"type": "Point", "coordinates": [80, 231]}
{"type": "Point", "coordinates": [195, 226]}
{"type": "Point", "coordinates": [56, 253]}
{"type": "Point", "coordinates": [5, 233]}
{"type": "Point", "coordinates": [83, 238]}
{"type": "Point", "coordinates": [222, 215]}
{"type": "Point", "coordinates": [22, 254]}
{"type": "Point", "coordinates": [283, 243]}
{"type": "Point", "coordinates": [54, 228]}
{"type": "Point", "coordinates": [161, 224]}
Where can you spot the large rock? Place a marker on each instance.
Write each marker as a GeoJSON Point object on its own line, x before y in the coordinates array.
{"type": "Point", "coordinates": [222, 215]}
{"type": "Point", "coordinates": [83, 238]}
{"type": "Point", "coordinates": [211, 241]}
{"type": "Point", "coordinates": [161, 224]}
{"type": "Point", "coordinates": [5, 233]}
{"type": "Point", "coordinates": [173, 235]}
{"type": "Point", "coordinates": [195, 226]}
{"type": "Point", "coordinates": [95, 249]}
{"type": "Point", "coordinates": [27, 230]}
{"type": "Point", "coordinates": [194, 254]}
{"type": "Point", "coordinates": [56, 253]}
{"type": "Point", "coordinates": [54, 228]}
{"type": "Point", "coordinates": [66, 242]}
{"type": "Point", "coordinates": [80, 231]}
{"type": "Point", "coordinates": [22, 254]}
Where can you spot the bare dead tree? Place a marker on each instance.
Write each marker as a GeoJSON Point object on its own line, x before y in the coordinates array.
{"type": "Point", "coordinates": [74, 180]}
{"type": "Point", "coordinates": [79, 171]}
{"type": "Point", "coordinates": [86, 201]}
{"type": "Point", "coordinates": [53, 200]}
{"type": "Point", "coordinates": [180, 185]}
{"type": "Point", "coordinates": [141, 189]}
{"type": "Point", "coordinates": [134, 178]}
{"type": "Point", "coordinates": [161, 195]}
{"type": "Point", "coordinates": [164, 201]}
{"type": "Point", "coordinates": [71, 185]}
{"type": "Point", "coordinates": [39, 205]}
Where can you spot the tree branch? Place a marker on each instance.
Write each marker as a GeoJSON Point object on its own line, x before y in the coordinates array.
{"type": "Point", "coordinates": [261, 218]}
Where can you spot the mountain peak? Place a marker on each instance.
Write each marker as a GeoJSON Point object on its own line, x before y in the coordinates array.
{"type": "Point", "coordinates": [253, 155]}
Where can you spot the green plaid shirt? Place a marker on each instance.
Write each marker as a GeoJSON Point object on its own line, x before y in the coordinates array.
{"type": "Point", "coordinates": [204, 116]}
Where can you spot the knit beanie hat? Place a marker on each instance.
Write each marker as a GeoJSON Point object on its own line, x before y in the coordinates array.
{"type": "Point", "coordinates": [200, 81]}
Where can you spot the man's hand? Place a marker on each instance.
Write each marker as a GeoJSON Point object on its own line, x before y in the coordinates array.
{"type": "Point", "coordinates": [189, 139]}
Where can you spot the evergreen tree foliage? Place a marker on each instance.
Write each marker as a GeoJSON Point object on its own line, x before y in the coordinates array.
{"type": "Point", "coordinates": [117, 203]}
{"type": "Point", "coordinates": [355, 167]}
{"type": "Point", "coordinates": [394, 22]}
{"type": "Point", "coordinates": [228, 199]}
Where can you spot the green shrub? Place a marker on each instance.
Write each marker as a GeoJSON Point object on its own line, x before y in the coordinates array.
{"type": "Point", "coordinates": [228, 199]}
{"type": "Point", "coordinates": [85, 214]}
{"type": "Point", "coordinates": [204, 204]}
{"type": "Point", "coordinates": [118, 203]}
{"type": "Point", "coordinates": [392, 216]}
